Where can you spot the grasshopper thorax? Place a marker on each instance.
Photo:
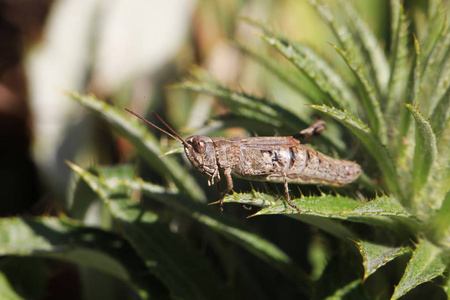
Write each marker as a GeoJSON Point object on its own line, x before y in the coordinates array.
{"type": "Point", "coordinates": [200, 151]}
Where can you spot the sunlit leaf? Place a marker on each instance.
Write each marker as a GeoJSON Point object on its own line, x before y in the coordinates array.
{"type": "Point", "coordinates": [265, 200]}
{"type": "Point", "coordinates": [210, 217]}
{"type": "Point", "coordinates": [398, 58]}
{"type": "Point", "coordinates": [335, 90]}
{"type": "Point", "coordinates": [424, 153]}
{"type": "Point", "coordinates": [371, 104]}
{"type": "Point", "coordinates": [6, 290]}
{"type": "Point", "coordinates": [424, 265]}
{"type": "Point", "coordinates": [146, 144]}
{"type": "Point", "coordinates": [373, 212]}
{"type": "Point", "coordinates": [313, 68]}
{"type": "Point", "coordinates": [441, 221]}
{"type": "Point", "coordinates": [254, 108]}
{"type": "Point", "coordinates": [70, 241]}
{"type": "Point", "coordinates": [185, 273]}
{"type": "Point", "coordinates": [347, 290]}
{"type": "Point", "coordinates": [288, 75]}
{"type": "Point", "coordinates": [441, 113]}
{"type": "Point", "coordinates": [370, 48]}
{"type": "Point", "coordinates": [435, 74]}
{"type": "Point", "coordinates": [412, 96]}
{"type": "Point", "coordinates": [435, 31]}
{"type": "Point", "coordinates": [376, 255]}
{"type": "Point", "coordinates": [251, 107]}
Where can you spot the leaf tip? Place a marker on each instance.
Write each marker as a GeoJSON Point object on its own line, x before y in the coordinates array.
{"type": "Point", "coordinates": [69, 163]}
{"type": "Point", "coordinates": [64, 91]}
{"type": "Point", "coordinates": [214, 203]}
{"type": "Point", "coordinates": [77, 169]}
{"type": "Point", "coordinates": [253, 215]}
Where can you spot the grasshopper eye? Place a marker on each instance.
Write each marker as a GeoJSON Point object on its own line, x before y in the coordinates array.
{"type": "Point", "coordinates": [199, 145]}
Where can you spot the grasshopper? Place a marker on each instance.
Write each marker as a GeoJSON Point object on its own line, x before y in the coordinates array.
{"type": "Point", "coordinates": [270, 159]}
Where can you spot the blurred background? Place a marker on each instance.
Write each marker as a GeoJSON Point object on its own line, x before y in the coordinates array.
{"type": "Point", "coordinates": [129, 52]}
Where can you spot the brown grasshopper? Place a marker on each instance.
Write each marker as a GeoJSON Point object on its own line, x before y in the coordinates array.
{"type": "Point", "coordinates": [270, 159]}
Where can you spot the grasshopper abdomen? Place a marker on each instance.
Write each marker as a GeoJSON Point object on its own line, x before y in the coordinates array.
{"type": "Point", "coordinates": [291, 162]}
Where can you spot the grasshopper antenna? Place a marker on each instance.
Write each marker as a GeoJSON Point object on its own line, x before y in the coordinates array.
{"type": "Point", "coordinates": [175, 135]}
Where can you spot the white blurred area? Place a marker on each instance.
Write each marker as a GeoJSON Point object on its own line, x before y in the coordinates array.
{"type": "Point", "coordinates": [116, 41]}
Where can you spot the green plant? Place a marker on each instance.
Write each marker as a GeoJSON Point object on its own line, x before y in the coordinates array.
{"type": "Point", "coordinates": [393, 112]}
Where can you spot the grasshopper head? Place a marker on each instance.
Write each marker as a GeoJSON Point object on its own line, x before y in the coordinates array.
{"type": "Point", "coordinates": [201, 153]}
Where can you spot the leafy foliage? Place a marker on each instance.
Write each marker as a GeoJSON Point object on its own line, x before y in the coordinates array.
{"type": "Point", "coordinates": [381, 87]}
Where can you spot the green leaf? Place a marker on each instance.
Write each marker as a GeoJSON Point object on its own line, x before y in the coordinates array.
{"type": "Point", "coordinates": [341, 33]}
{"type": "Point", "coordinates": [359, 43]}
{"type": "Point", "coordinates": [375, 255]}
{"type": "Point", "coordinates": [256, 128]}
{"type": "Point", "coordinates": [375, 147]}
{"type": "Point", "coordinates": [435, 73]}
{"type": "Point", "coordinates": [424, 152]}
{"type": "Point", "coordinates": [341, 278]}
{"type": "Point", "coordinates": [266, 200]}
{"type": "Point", "coordinates": [333, 87]}
{"type": "Point", "coordinates": [399, 57]}
{"type": "Point", "coordinates": [447, 288]}
{"type": "Point", "coordinates": [371, 104]}
{"type": "Point", "coordinates": [146, 144]}
{"type": "Point", "coordinates": [435, 32]}
{"type": "Point", "coordinates": [439, 182]}
{"type": "Point", "coordinates": [374, 212]}
{"type": "Point", "coordinates": [70, 241]}
{"type": "Point", "coordinates": [298, 81]}
{"type": "Point", "coordinates": [313, 68]}
{"type": "Point", "coordinates": [424, 265]}
{"type": "Point", "coordinates": [253, 108]}
{"type": "Point", "coordinates": [210, 217]}
{"type": "Point", "coordinates": [186, 274]}
{"type": "Point", "coordinates": [230, 120]}
{"type": "Point", "coordinates": [441, 113]}
{"type": "Point", "coordinates": [370, 47]}
{"type": "Point", "coordinates": [81, 200]}
{"type": "Point", "coordinates": [415, 75]}
{"type": "Point", "coordinates": [441, 222]}
{"type": "Point", "coordinates": [318, 257]}
{"type": "Point", "coordinates": [411, 97]}
{"type": "Point", "coordinates": [29, 276]}
{"type": "Point", "coordinates": [6, 290]}
{"type": "Point", "coordinates": [382, 211]}
{"type": "Point", "coordinates": [347, 290]}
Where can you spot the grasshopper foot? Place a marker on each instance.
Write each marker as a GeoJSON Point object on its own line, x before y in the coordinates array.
{"type": "Point", "coordinates": [288, 201]}
{"type": "Point", "coordinates": [287, 197]}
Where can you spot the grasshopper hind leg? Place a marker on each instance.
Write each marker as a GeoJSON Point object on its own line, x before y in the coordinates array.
{"type": "Point", "coordinates": [287, 197]}
{"type": "Point", "coordinates": [286, 194]}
